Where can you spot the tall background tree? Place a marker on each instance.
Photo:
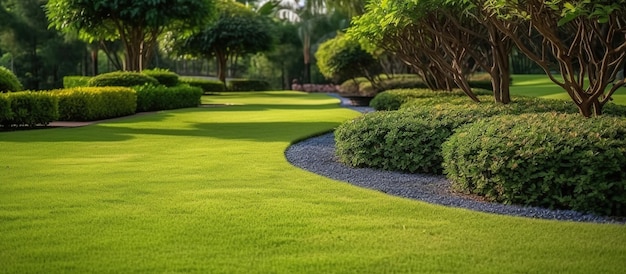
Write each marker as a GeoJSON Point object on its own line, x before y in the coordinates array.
{"type": "Point", "coordinates": [238, 31]}
{"type": "Point", "coordinates": [137, 23]}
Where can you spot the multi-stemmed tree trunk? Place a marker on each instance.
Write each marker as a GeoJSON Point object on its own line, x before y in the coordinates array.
{"type": "Point", "coordinates": [587, 41]}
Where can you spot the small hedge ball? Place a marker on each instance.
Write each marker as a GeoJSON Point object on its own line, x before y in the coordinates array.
{"type": "Point", "coordinates": [8, 81]}
{"type": "Point", "coordinates": [559, 161]}
{"type": "Point", "coordinates": [122, 79]}
{"type": "Point", "coordinates": [165, 77]}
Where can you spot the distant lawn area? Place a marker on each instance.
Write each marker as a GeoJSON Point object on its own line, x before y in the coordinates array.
{"type": "Point", "coordinates": [208, 190]}
{"type": "Point", "coordinates": [541, 86]}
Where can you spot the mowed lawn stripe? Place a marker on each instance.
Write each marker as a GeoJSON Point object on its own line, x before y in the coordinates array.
{"type": "Point", "coordinates": [209, 190]}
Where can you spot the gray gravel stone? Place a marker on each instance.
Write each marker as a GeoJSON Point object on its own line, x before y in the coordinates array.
{"type": "Point", "coordinates": [317, 155]}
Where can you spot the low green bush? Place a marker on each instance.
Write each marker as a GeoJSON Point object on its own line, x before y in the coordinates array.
{"type": "Point", "coordinates": [29, 108]}
{"type": "Point", "coordinates": [76, 81]}
{"type": "Point", "coordinates": [518, 105]}
{"type": "Point", "coordinates": [560, 161]}
{"type": "Point", "coordinates": [248, 85]}
{"type": "Point", "coordinates": [8, 81]}
{"type": "Point", "coordinates": [408, 141]}
{"type": "Point", "coordinates": [394, 99]}
{"type": "Point", "coordinates": [361, 86]}
{"type": "Point", "coordinates": [95, 103]}
{"type": "Point", "coordinates": [208, 86]}
{"type": "Point", "coordinates": [122, 79]}
{"type": "Point", "coordinates": [153, 98]}
{"type": "Point", "coordinates": [163, 76]}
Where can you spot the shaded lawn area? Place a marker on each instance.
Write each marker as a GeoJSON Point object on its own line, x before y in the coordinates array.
{"type": "Point", "coordinates": [209, 190]}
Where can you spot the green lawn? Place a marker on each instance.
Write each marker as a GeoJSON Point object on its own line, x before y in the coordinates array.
{"type": "Point", "coordinates": [208, 190]}
{"type": "Point", "coordinates": [541, 86]}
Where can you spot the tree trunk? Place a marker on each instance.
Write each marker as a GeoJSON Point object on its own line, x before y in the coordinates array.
{"type": "Point", "coordinates": [94, 61]}
{"type": "Point", "coordinates": [222, 61]}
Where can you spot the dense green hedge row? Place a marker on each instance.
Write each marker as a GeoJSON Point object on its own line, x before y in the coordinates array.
{"type": "Point", "coordinates": [393, 99]}
{"type": "Point", "coordinates": [248, 85]}
{"type": "Point", "coordinates": [27, 109]}
{"type": "Point", "coordinates": [550, 160]}
{"type": "Point", "coordinates": [121, 79]}
{"type": "Point", "coordinates": [208, 86]}
{"type": "Point", "coordinates": [95, 103]}
{"type": "Point", "coordinates": [152, 98]}
{"type": "Point", "coordinates": [497, 157]}
{"type": "Point", "coordinates": [163, 76]}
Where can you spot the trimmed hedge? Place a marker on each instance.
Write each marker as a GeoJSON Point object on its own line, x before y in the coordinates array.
{"type": "Point", "coordinates": [8, 81]}
{"type": "Point", "coordinates": [408, 141]}
{"type": "Point", "coordinates": [163, 76]}
{"type": "Point", "coordinates": [28, 108]}
{"type": "Point", "coordinates": [394, 99]}
{"type": "Point", "coordinates": [248, 85]}
{"type": "Point", "coordinates": [558, 161]}
{"type": "Point", "coordinates": [208, 86]}
{"type": "Point", "coordinates": [363, 87]}
{"type": "Point", "coordinates": [95, 103]}
{"type": "Point", "coordinates": [122, 79]}
{"type": "Point", "coordinates": [76, 81]}
{"type": "Point", "coordinates": [153, 98]}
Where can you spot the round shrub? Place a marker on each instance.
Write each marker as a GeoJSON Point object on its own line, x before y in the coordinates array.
{"type": "Point", "coordinates": [408, 141]}
{"type": "Point", "coordinates": [164, 76]}
{"type": "Point", "coordinates": [559, 161]}
{"type": "Point", "coordinates": [122, 79]}
{"type": "Point", "coordinates": [8, 81]}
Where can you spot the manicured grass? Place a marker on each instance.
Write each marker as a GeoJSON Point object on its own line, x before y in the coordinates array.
{"type": "Point", "coordinates": [540, 86]}
{"type": "Point", "coordinates": [208, 190]}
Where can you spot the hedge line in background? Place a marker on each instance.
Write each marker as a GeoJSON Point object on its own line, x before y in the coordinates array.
{"type": "Point", "coordinates": [152, 98]}
{"type": "Point", "coordinates": [95, 103]}
{"type": "Point", "coordinates": [551, 160]}
{"type": "Point", "coordinates": [208, 86]}
{"type": "Point", "coordinates": [27, 108]}
{"type": "Point", "coordinates": [122, 79]}
{"type": "Point", "coordinates": [393, 99]}
{"type": "Point", "coordinates": [163, 76]}
{"type": "Point", "coordinates": [248, 85]}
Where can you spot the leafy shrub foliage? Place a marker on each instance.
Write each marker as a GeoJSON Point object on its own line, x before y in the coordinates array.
{"type": "Point", "coordinates": [248, 85]}
{"type": "Point", "coordinates": [361, 86]}
{"type": "Point", "coordinates": [95, 103]}
{"type": "Point", "coordinates": [76, 81]}
{"type": "Point", "coordinates": [29, 109]}
{"type": "Point", "coordinates": [208, 86]}
{"type": "Point", "coordinates": [164, 76]}
{"type": "Point", "coordinates": [408, 141]}
{"type": "Point", "coordinates": [393, 99]}
{"type": "Point", "coordinates": [153, 98]}
{"type": "Point", "coordinates": [8, 81]}
{"type": "Point", "coordinates": [560, 161]}
{"type": "Point", "coordinates": [122, 79]}
{"type": "Point", "coordinates": [341, 58]}
{"type": "Point", "coordinates": [5, 108]}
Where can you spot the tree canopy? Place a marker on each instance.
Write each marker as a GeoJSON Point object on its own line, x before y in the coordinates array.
{"type": "Point", "coordinates": [237, 31]}
{"type": "Point", "coordinates": [137, 23]}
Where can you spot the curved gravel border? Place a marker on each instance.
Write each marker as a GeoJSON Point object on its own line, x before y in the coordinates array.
{"type": "Point", "coordinates": [317, 155]}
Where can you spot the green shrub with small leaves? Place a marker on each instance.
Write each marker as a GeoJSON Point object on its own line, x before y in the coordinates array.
{"type": "Point", "coordinates": [95, 103]}
{"type": "Point", "coordinates": [208, 86]}
{"type": "Point", "coordinates": [5, 108]}
{"type": "Point", "coordinates": [8, 81]}
{"type": "Point", "coordinates": [559, 161]}
{"type": "Point", "coordinates": [153, 98]}
{"type": "Point", "coordinates": [30, 109]}
{"type": "Point", "coordinates": [248, 85]}
{"type": "Point", "coordinates": [122, 79]}
{"type": "Point", "coordinates": [394, 99]}
{"type": "Point", "coordinates": [76, 81]}
{"type": "Point", "coordinates": [408, 141]}
{"type": "Point", "coordinates": [163, 76]}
